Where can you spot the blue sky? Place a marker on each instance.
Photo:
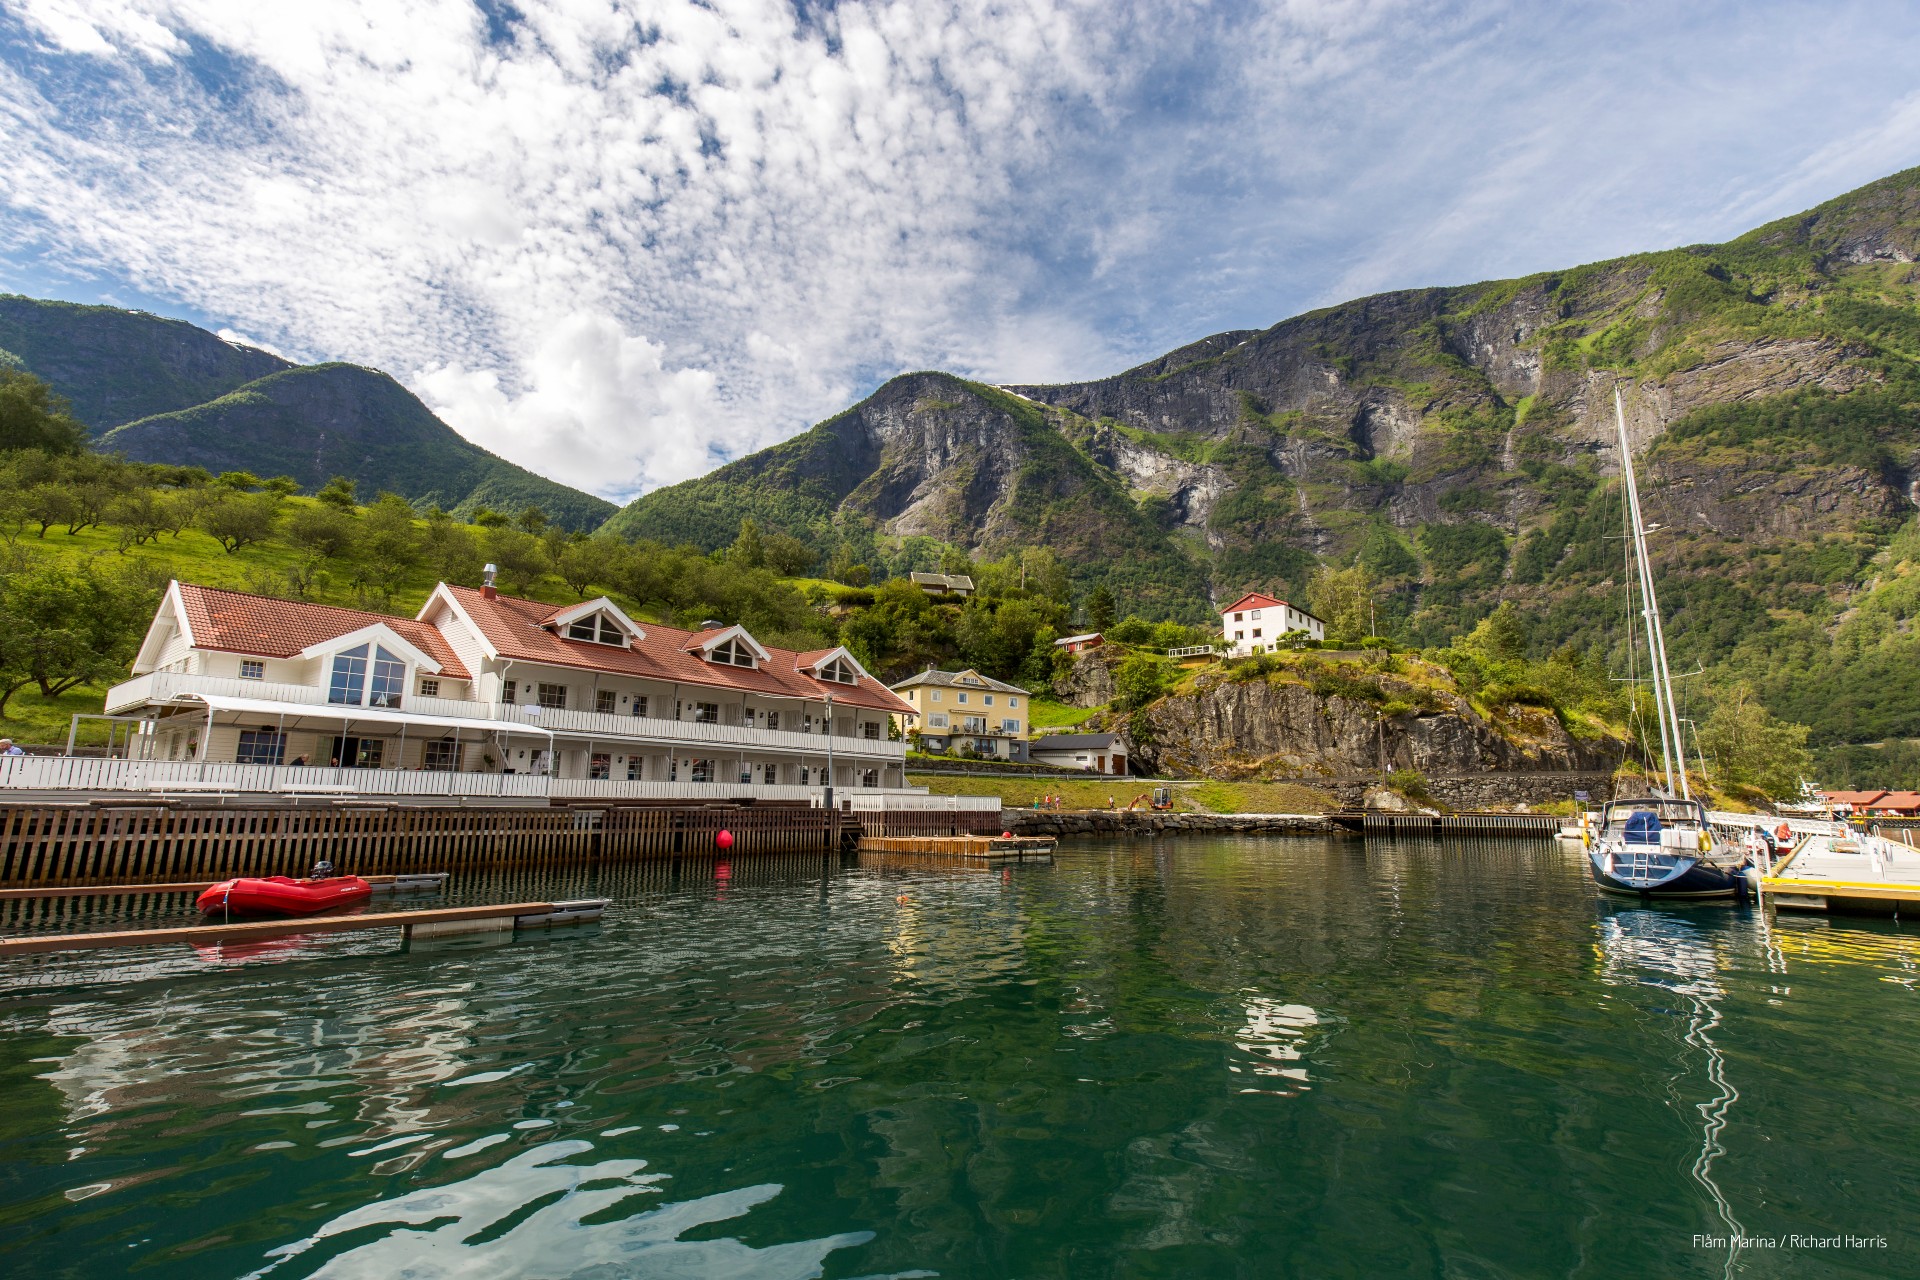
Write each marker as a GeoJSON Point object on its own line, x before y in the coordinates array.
{"type": "Point", "coordinates": [620, 241]}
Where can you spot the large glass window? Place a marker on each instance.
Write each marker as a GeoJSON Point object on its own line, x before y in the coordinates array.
{"type": "Point", "coordinates": [600, 765]}
{"type": "Point", "coordinates": [706, 713]}
{"type": "Point", "coordinates": [603, 702]}
{"type": "Point", "coordinates": [702, 771]}
{"type": "Point", "coordinates": [442, 755]}
{"type": "Point", "coordinates": [553, 695]}
{"type": "Point", "coordinates": [349, 684]}
{"type": "Point", "coordinates": [261, 746]}
{"type": "Point", "coordinates": [389, 680]}
{"type": "Point", "coordinates": [640, 704]}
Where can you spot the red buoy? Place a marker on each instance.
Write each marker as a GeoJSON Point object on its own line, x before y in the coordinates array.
{"type": "Point", "coordinates": [724, 840]}
{"type": "Point", "coordinates": [1006, 835]}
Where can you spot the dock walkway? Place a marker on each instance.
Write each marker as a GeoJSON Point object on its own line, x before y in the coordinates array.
{"type": "Point", "coordinates": [1858, 873]}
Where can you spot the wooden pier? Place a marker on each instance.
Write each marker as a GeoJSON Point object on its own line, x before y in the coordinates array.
{"type": "Point", "coordinates": [501, 917]}
{"type": "Point", "coordinates": [1448, 824]}
{"type": "Point", "coordinates": [1852, 873]}
{"type": "Point", "coordinates": [994, 848]}
{"type": "Point", "coordinates": [113, 842]}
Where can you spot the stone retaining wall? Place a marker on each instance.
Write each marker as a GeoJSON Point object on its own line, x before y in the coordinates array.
{"type": "Point", "coordinates": [1121, 822]}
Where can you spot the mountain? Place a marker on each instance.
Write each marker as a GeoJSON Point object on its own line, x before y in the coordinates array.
{"type": "Point", "coordinates": [1459, 442]}
{"type": "Point", "coordinates": [117, 365]}
{"type": "Point", "coordinates": [164, 390]}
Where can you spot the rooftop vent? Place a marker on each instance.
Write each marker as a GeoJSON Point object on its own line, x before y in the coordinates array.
{"type": "Point", "coordinates": [711, 625]}
{"type": "Point", "coordinates": [487, 588]}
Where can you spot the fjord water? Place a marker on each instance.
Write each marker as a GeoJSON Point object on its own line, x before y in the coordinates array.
{"type": "Point", "coordinates": [1180, 1058]}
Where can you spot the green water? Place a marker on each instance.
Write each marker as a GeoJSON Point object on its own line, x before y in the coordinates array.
{"type": "Point", "coordinates": [1185, 1058]}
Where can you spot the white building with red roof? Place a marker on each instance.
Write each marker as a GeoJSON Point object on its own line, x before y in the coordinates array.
{"type": "Point", "coordinates": [1256, 621]}
{"type": "Point", "coordinates": [485, 694]}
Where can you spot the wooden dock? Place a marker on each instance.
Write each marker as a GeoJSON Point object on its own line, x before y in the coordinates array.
{"type": "Point", "coordinates": [1448, 824]}
{"type": "Point", "coordinates": [966, 846]}
{"type": "Point", "coordinates": [430, 882]}
{"type": "Point", "coordinates": [1854, 873]}
{"type": "Point", "coordinates": [501, 917]}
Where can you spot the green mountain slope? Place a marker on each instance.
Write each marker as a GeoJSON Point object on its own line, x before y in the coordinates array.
{"type": "Point", "coordinates": [1459, 442]}
{"type": "Point", "coordinates": [313, 422]}
{"type": "Point", "coordinates": [115, 365]}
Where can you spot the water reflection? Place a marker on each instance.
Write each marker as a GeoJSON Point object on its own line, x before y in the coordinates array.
{"type": "Point", "coordinates": [480, 1229]}
{"type": "Point", "coordinates": [1667, 950]}
{"type": "Point", "coordinates": [1272, 1041]}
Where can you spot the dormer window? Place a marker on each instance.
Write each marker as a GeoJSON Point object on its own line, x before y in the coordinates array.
{"type": "Point", "coordinates": [354, 684]}
{"type": "Point", "coordinates": [839, 672]}
{"type": "Point", "coordinates": [596, 628]}
{"type": "Point", "coordinates": [731, 653]}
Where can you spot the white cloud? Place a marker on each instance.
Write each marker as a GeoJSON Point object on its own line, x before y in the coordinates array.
{"type": "Point", "coordinates": [617, 241]}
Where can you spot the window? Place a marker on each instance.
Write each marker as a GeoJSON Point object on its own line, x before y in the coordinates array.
{"type": "Point", "coordinates": [1013, 703]}
{"type": "Point", "coordinates": [869, 777]}
{"type": "Point", "coordinates": [936, 722]}
{"type": "Point", "coordinates": [773, 719]}
{"type": "Point", "coordinates": [1239, 617]}
{"type": "Point", "coordinates": [633, 768]}
{"type": "Point", "coordinates": [673, 768]}
{"type": "Point", "coordinates": [770, 775]}
{"type": "Point", "coordinates": [554, 696]}
{"type": "Point", "coordinates": [933, 695]}
{"type": "Point", "coordinates": [734, 653]}
{"type": "Point", "coordinates": [1256, 616]}
{"type": "Point", "coordinates": [702, 771]}
{"type": "Point", "coordinates": [600, 765]}
{"type": "Point", "coordinates": [639, 707]}
{"type": "Point", "coordinates": [603, 702]}
{"type": "Point", "coordinates": [706, 713]}
{"type": "Point", "coordinates": [389, 680]}
{"type": "Point", "coordinates": [975, 724]}
{"type": "Point", "coordinates": [1239, 635]}
{"type": "Point", "coordinates": [252, 670]}
{"type": "Point", "coordinates": [510, 691]}
{"type": "Point", "coordinates": [442, 755]}
{"type": "Point", "coordinates": [839, 672]}
{"type": "Point", "coordinates": [746, 774]}
{"type": "Point", "coordinates": [1010, 726]}
{"type": "Point", "coordinates": [746, 716]}
{"type": "Point", "coordinates": [349, 683]}
{"type": "Point", "coordinates": [988, 699]}
{"type": "Point", "coordinates": [429, 688]}
{"type": "Point", "coordinates": [970, 679]}
{"type": "Point", "coordinates": [597, 629]}
{"type": "Point", "coordinates": [1256, 633]}
{"type": "Point", "coordinates": [261, 746]}
{"type": "Point", "coordinates": [870, 730]}
{"type": "Point", "coordinates": [805, 775]}
{"type": "Point", "coordinates": [963, 697]}
{"type": "Point", "coordinates": [355, 753]}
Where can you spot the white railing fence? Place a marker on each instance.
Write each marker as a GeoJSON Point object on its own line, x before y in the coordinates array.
{"type": "Point", "coordinates": [77, 773]}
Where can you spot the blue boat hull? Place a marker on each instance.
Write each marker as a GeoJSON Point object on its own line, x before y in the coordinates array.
{"type": "Point", "coordinates": [1697, 880]}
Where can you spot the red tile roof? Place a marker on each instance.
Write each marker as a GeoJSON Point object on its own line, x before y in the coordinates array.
{"type": "Point", "coordinates": [1254, 600]}
{"type": "Point", "coordinates": [512, 628]}
{"type": "Point", "coordinates": [236, 622]}
{"type": "Point", "coordinates": [1899, 801]}
{"type": "Point", "coordinates": [1854, 798]}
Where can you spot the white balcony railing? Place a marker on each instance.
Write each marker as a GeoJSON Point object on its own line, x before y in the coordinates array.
{"type": "Point", "coordinates": [77, 773]}
{"type": "Point", "coordinates": [167, 686]}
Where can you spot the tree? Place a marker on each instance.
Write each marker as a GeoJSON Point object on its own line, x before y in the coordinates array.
{"type": "Point", "coordinates": [389, 547]}
{"type": "Point", "coordinates": [141, 515]}
{"type": "Point", "coordinates": [237, 520]}
{"type": "Point", "coordinates": [787, 555]}
{"type": "Point", "coordinates": [326, 532]}
{"type": "Point", "coordinates": [517, 555]}
{"type": "Point", "coordinates": [452, 554]}
{"type": "Point", "coordinates": [1140, 680]}
{"type": "Point", "coordinates": [488, 518]}
{"type": "Point", "coordinates": [531, 520]}
{"type": "Point", "coordinates": [241, 480]}
{"type": "Point", "coordinates": [1343, 599]}
{"type": "Point", "coordinates": [33, 417]}
{"type": "Point", "coordinates": [62, 627]}
{"type": "Point", "coordinates": [1042, 574]}
{"type": "Point", "coordinates": [1749, 747]}
{"type": "Point", "coordinates": [1501, 636]}
{"type": "Point", "coordinates": [748, 551]}
{"type": "Point", "coordinates": [338, 493]}
{"type": "Point", "coordinates": [282, 486]}
{"type": "Point", "coordinates": [580, 561]}
{"type": "Point", "coordinates": [1101, 609]}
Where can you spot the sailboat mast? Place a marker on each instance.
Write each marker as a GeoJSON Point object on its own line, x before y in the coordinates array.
{"type": "Point", "coordinates": [1663, 705]}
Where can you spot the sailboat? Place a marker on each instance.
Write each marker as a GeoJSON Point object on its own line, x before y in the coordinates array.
{"type": "Point", "coordinates": [1660, 846]}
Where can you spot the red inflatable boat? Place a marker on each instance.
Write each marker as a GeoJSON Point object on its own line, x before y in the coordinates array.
{"type": "Point", "coordinates": [283, 896]}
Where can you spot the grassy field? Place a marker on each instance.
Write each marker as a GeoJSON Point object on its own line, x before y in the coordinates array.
{"type": "Point", "coordinates": [1050, 713]}
{"type": "Point", "coordinates": [1093, 793]}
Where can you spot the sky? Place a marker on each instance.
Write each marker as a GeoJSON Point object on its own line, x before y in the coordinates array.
{"type": "Point", "coordinates": [621, 242]}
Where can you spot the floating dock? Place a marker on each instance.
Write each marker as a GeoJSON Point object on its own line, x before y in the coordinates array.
{"type": "Point", "coordinates": [425, 883]}
{"type": "Point", "coordinates": [985, 847]}
{"type": "Point", "coordinates": [500, 918]}
{"type": "Point", "coordinates": [1855, 873]}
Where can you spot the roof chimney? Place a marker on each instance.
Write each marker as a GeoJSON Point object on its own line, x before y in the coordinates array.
{"type": "Point", "coordinates": [487, 588]}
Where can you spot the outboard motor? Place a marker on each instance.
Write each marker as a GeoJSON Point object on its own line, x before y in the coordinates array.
{"type": "Point", "coordinates": [322, 870]}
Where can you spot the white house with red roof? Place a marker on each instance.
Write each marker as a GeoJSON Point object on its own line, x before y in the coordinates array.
{"type": "Point", "coordinates": [1255, 622]}
{"type": "Point", "coordinates": [485, 694]}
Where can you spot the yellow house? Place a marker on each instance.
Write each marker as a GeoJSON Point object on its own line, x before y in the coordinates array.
{"type": "Point", "coordinates": [964, 710]}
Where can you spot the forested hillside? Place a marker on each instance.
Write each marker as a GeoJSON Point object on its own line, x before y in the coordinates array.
{"type": "Point", "coordinates": [160, 390]}
{"type": "Point", "coordinates": [1457, 445]}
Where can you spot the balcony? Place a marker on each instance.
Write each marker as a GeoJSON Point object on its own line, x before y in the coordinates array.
{"type": "Point", "coordinates": [170, 686]}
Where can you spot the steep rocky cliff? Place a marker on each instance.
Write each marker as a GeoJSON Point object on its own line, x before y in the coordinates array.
{"type": "Point", "coordinates": [1285, 726]}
